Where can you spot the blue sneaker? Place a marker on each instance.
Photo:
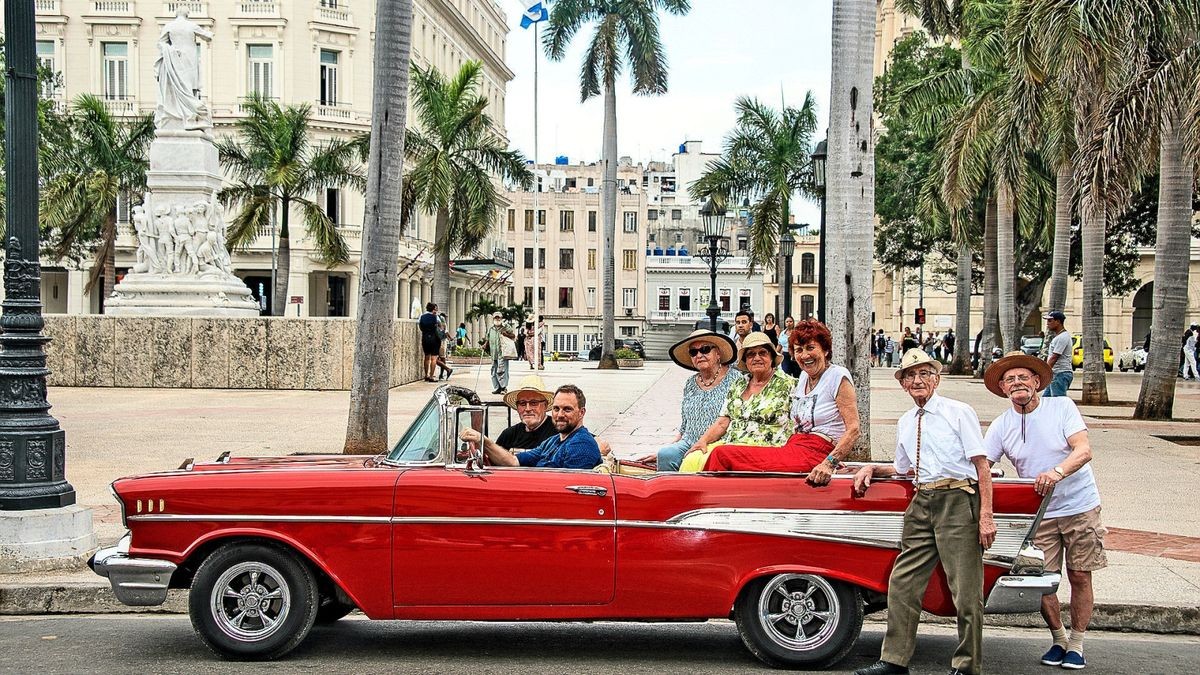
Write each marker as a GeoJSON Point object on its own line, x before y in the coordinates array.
{"type": "Point", "coordinates": [1054, 657]}
{"type": "Point", "coordinates": [1073, 661]}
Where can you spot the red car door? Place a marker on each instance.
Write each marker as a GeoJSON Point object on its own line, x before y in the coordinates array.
{"type": "Point", "coordinates": [503, 536]}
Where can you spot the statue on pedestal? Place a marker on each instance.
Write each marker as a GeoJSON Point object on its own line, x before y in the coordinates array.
{"type": "Point", "coordinates": [177, 70]}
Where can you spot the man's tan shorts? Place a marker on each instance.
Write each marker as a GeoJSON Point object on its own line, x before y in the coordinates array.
{"type": "Point", "coordinates": [1080, 536]}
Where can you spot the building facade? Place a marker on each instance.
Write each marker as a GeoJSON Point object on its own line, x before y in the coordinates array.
{"type": "Point", "coordinates": [678, 292]}
{"type": "Point", "coordinates": [314, 52]}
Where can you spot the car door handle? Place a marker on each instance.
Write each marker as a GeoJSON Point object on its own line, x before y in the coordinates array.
{"type": "Point", "coordinates": [593, 490]}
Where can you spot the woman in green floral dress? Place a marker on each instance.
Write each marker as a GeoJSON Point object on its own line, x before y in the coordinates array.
{"type": "Point", "coordinates": [757, 409]}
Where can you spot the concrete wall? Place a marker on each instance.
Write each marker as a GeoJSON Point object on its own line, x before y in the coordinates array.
{"type": "Point", "coordinates": [211, 353]}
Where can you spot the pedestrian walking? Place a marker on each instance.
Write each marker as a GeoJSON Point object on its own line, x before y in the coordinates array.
{"type": "Point", "coordinates": [889, 349]}
{"type": "Point", "coordinates": [460, 335]}
{"type": "Point", "coordinates": [1047, 440]}
{"type": "Point", "coordinates": [1059, 356]}
{"type": "Point", "coordinates": [495, 339]}
{"type": "Point", "coordinates": [444, 370]}
{"type": "Point", "coordinates": [949, 519]}
{"type": "Point", "coordinates": [431, 344]}
{"type": "Point", "coordinates": [948, 344]}
{"type": "Point", "coordinates": [909, 341]}
{"type": "Point", "coordinates": [1189, 356]}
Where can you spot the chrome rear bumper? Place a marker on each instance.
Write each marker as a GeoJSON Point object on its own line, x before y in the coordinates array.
{"type": "Point", "coordinates": [1017, 594]}
{"type": "Point", "coordinates": [138, 582]}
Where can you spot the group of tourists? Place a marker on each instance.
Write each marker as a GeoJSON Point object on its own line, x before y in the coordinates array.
{"type": "Point", "coordinates": [887, 352]}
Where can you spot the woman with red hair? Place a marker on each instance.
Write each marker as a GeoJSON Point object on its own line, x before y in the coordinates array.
{"type": "Point", "coordinates": [824, 415]}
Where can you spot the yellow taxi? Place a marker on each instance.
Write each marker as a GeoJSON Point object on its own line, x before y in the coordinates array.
{"type": "Point", "coordinates": [1077, 354]}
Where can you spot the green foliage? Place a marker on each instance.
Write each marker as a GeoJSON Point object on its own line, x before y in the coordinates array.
{"type": "Point", "coordinates": [626, 353]}
{"type": "Point", "coordinates": [513, 314]}
{"type": "Point", "coordinates": [467, 352]}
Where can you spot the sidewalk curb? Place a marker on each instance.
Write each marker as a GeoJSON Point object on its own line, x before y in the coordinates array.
{"type": "Point", "coordinates": [97, 598]}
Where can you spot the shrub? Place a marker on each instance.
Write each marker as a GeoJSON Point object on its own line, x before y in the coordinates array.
{"type": "Point", "coordinates": [467, 352]}
{"type": "Point", "coordinates": [626, 353]}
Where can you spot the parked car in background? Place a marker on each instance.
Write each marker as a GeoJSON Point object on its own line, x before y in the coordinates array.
{"type": "Point", "coordinates": [269, 546]}
{"type": "Point", "coordinates": [1077, 354]}
{"type": "Point", "coordinates": [1032, 345]}
{"type": "Point", "coordinates": [627, 343]}
{"type": "Point", "coordinates": [1133, 359]}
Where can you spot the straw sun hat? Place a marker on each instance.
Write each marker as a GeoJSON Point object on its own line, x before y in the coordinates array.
{"type": "Point", "coordinates": [759, 339]}
{"type": "Point", "coordinates": [679, 350]}
{"type": "Point", "coordinates": [528, 383]}
{"type": "Point", "coordinates": [996, 371]}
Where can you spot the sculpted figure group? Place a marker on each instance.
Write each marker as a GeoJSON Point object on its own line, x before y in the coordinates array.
{"type": "Point", "coordinates": [181, 238]}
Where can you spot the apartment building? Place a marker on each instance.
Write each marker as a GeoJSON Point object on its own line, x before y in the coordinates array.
{"type": "Point", "coordinates": [315, 52]}
{"type": "Point", "coordinates": [566, 255]}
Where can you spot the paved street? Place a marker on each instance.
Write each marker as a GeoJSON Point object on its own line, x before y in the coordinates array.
{"type": "Point", "coordinates": [166, 644]}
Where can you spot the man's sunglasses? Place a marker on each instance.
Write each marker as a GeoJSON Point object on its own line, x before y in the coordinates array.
{"type": "Point", "coordinates": [703, 349]}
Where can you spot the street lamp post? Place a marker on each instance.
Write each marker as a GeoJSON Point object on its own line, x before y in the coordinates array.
{"type": "Point", "coordinates": [818, 164]}
{"type": "Point", "coordinates": [713, 217]}
{"type": "Point", "coordinates": [32, 446]}
{"type": "Point", "coordinates": [787, 246]}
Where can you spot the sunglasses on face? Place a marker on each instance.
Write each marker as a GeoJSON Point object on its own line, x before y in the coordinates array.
{"type": "Point", "coordinates": [531, 404]}
{"type": "Point", "coordinates": [758, 353]}
{"type": "Point", "coordinates": [703, 349]}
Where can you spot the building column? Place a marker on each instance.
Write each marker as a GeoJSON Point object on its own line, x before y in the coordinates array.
{"type": "Point", "coordinates": [403, 298]}
{"type": "Point", "coordinates": [77, 300]}
{"type": "Point", "coordinates": [352, 282]}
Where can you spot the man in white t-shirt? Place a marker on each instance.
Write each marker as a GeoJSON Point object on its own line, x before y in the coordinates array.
{"type": "Point", "coordinates": [1045, 439]}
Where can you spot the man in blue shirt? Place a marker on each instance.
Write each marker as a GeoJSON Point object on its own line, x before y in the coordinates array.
{"type": "Point", "coordinates": [573, 447]}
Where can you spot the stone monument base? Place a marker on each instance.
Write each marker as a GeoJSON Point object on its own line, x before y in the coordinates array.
{"type": "Point", "coordinates": [173, 295]}
{"type": "Point", "coordinates": [46, 539]}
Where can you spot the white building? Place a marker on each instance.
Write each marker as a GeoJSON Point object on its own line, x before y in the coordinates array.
{"type": "Point", "coordinates": [317, 52]}
{"type": "Point", "coordinates": [678, 290]}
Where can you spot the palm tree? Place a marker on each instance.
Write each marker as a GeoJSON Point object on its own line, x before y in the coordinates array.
{"type": "Point", "coordinates": [767, 159]}
{"type": "Point", "coordinates": [370, 378]}
{"type": "Point", "coordinates": [453, 156]}
{"type": "Point", "coordinates": [90, 162]}
{"type": "Point", "coordinates": [276, 167]}
{"type": "Point", "coordinates": [626, 36]}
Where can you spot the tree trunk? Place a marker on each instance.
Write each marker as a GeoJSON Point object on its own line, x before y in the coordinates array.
{"type": "Point", "coordinates": [370, 377]}
{"type": "Point", "coordinates": [283, 264]}
{"type": "Point", "coordinates": [1064, 198]}
{"type": "Point", "coordinates": [609, 212]}
{"type": "Point", "coordinates": [1005, 270]}
{"type": "Point", "coordinates": [991, 290]}
{"type": "Point", "coordinates": [1171, 250]}
{"type": "Point", "coordinates": [851, 200]}
{"type": "Point", "coordinates": [110, 258]}
{"type": "Point", "coordinates": [441, 261]}
{"type": "Point", "coordinates": [1095, 390]}
{"type": "Point", "coordinates": [961, 363]}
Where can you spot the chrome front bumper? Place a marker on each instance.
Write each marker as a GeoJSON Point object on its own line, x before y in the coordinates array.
{"type": "Point", "coordinates": [1018, 594]}
{"type": "Point", "coordinates": [138, 582]}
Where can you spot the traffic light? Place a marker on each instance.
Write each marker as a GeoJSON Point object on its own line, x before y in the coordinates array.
{"type": "Point", "coordinates": [920, 318]}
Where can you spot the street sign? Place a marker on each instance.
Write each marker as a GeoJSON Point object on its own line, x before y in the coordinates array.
{"type": "Point", "coordinates": [296, 300]}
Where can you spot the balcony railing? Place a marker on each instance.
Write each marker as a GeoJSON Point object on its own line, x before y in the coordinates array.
{"type": "Point", "coordinates": [46, 7]}
{"type": "Point", "coordinates": [336, 12]}
{"type": "Point", "coordinates": [337, 112]}
{"type": "Point", "coordinates": [195, 8]}
{"type": "Point", "coordinates": [258, 8]}
{"type": "Point", "coordinates": [111, 7]}
{"type": "Point", "coordinates": [121, 106]}
{"type": "Point", "coordinates": [676, 315]}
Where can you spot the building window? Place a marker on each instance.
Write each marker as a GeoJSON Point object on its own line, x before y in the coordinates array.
{"type": "Point", "coordinates": [741, 243]}
{"type": "Point", "coordinates": [45, 57]}
{"type": "Point", "coordinates": [676, 214]}
{"type": "Point", "coordinates": [630, 224]}
{"type": "Point", "coordinates": [329, 77]}
{"type": "Point", "coordinates": [591, 258]}
{"type": "Point", "coordinates": [652, 214]}
{"type": "Point", "coordinates": [541, 220]}
{"type": "Point", "coordinates": [528, 257]}
{"type": "Point", "coordinates": [628, 331]}
{"type": "Point", "coordinates": [566, 258]}
{"type": "Point", "coordinates": [678, 237]}
{"type": "Point", "coordinates": [542, 260]}
{"type": "Point", "coordinates": [512, 220]}
{"type": "Point", "coordinates": [806, 306]}
{"type": "Point", "coordinates": [591, 297]}
{"type": "Point", "coordinates": [807, 268]}
{"type": "Point", "coordinates": [685, 300]}
{"type": "Point", "coordinates": [123, 207]}
{"type": "Point", "coordinates": [529, 220]}
{"type": "Point", "coordinates": [664, 299]}
{"type": "Point", "coordinates": [116, 70]}
{"type": "Point", "coordinates": [527, 300]}
{"type": "Point", "coordinates": [629, 259]}
{"type": "Point", "coordinates": [566, 298]}
{"type": "Point", "coordinates": [261, 70]}
{"type": "Point", "coordinates": [724, 299]}
{"type": "Point", "coordinates": [333, 205]}
{"type": "Point", "coordinates": [566, 221]}
{"type": "Point", "coordinates": [628, 298]}
{"type": "Point", "coordinates": [591, 218]}
{"type": "Point", "coordinates": [565, 342]}
{"type": "Point", "coordinates": [591, 182]}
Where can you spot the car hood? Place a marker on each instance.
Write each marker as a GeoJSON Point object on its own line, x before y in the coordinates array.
{"type": "Point", "coordinates": [286, 462]}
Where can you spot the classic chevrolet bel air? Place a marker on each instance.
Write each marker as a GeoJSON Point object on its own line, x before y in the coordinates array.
{"type": "Point", "coordinates": [270, 546]}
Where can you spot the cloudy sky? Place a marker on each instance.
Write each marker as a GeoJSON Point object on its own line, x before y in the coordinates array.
{"type": "Point", "coordinates": [721, 50]}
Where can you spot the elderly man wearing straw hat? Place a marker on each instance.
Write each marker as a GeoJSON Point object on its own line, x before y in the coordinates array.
{"type": "Point", "coordinates": [1045, 439]}
{"type": "Point", "coordinates": [531, 400]}
{"type": "Point", "coordinates": [568, 445]}
{"type": "Point", "coordinates": [949, 518]}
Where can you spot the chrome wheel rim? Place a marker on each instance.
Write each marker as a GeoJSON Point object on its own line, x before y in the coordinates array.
{"type": "Point", "coordinates": [799, 611]}
{"type": "Point", "coordinates": [250, 601]}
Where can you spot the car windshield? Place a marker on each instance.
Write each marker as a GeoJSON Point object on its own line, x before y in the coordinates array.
{"type": "Point", "coordinates": [420, 443]}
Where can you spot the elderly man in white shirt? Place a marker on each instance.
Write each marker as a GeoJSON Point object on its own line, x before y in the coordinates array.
{"type": "Point", "coordinates": [949, 518]}
{"type": "Point", "coordinates": [1046, 439]}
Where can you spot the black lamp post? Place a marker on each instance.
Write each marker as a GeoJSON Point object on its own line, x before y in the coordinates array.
{"type": "Point", "coordinates": [713, 217]}
{"type": "Point", "coordinates": [818, 164]}
{"type": "Point", "coordinates": [32, 446]}
{"type": "Point", "coordinates": [787, 246]}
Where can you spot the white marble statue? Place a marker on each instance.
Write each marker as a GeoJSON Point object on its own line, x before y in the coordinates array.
{"type": "Point", "coordinates": [185, 250]}
{"type": "Point", "coordinates": [166, 240]}
{"type": "Point", "coordinates": [147, 235]}
{"type": "Point", "coordinates": [177, 70]}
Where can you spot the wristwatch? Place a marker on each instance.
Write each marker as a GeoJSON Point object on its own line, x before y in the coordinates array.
{"type": "Point", "coordinates": [834, 463]}
{"type": "Point", "coordinates": [1059, 470]}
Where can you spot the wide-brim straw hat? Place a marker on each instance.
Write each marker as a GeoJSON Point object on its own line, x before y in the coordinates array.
{"type": "Point", "coordinates": [532, 383]}
{"type": "Point", "coordinates": [679, 350]}
{"type": "Point", "coordinates": [759, 339]}
{"type": "Point", "coordinates": [917, 357]}
{"type": "Point", "coordinates": [995, 372]}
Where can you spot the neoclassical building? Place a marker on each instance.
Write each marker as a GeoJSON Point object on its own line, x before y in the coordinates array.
{"type": "Point", "coordinates": [317, 52]}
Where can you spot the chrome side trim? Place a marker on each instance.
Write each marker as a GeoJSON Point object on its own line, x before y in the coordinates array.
{"type": "Point", "coordinates": [1014, 594]}
{"type": "Point", "coordinates": [226, 518]}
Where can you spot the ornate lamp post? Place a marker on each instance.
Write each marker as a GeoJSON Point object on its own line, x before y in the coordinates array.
{"type": "Point", "coordinates": [32, 446]}
{"type": "Point", "coordinates": [787, 246]}
{"type": "Point", "coordinates": [713, 217]}
{"type": "Point", "coordinates": [818, 164]}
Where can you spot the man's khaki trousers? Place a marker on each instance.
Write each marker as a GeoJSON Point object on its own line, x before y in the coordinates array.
{"type": "Point", "coordinates": [939, 525]}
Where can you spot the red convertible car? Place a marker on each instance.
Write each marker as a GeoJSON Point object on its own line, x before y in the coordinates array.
{"type": "Point", "coordinates": [270, 546]}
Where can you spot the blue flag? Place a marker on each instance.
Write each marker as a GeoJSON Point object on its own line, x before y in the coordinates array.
{"type": "Point", "coordinates": [534, 13]}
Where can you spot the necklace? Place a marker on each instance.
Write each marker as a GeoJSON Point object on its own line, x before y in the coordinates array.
{"type": "Point", "coordinates": [716, 376]}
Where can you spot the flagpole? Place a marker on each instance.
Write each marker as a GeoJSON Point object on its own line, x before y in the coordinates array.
{"type": "Point", "coordinates": [537, 257]}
